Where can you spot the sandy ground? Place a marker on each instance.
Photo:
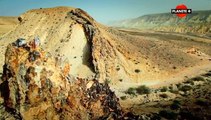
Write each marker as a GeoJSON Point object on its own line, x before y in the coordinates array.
{"type": "Point", "coordinates": [7, 24]}
{"type": "Point", "coordinates": [184, 75]}
{"type": "Point", "coordinates": [183, 71]}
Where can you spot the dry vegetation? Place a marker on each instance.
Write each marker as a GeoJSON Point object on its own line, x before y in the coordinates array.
{"type": "Point", "coordinates": [186, 100]}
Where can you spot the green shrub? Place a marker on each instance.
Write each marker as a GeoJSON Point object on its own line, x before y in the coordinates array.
{"type": "Point", "coordinates": [170, 87]}
{"type": "Point", "coordinates": [199, 78]}
{"type": "Point", "coordinates": [131, 91]}
{"type": "Point", "coordinates": [178, 85]}
{"type": "Point", "coordinates": [174, 91]}
{"type": "Point", "coordinates": [123, 97]}
{"type": "Point", "coordinates": [117, 69]}
{"type": "Point", "coordinates": [185, 88]}
{"type": "Point", "coordinates": [207, 74]}
{"type": "Point", "coordinates": [163, 89]}
{"type": "Point", "coordinates": [190, 81]}
{"type": "Point", "coordinates": [143, 90]}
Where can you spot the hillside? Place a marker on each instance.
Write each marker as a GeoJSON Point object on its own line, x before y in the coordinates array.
{"type": "Point", "coordinates": [197, 22]}
{"type": "Point", "coordinates": [7, 24]}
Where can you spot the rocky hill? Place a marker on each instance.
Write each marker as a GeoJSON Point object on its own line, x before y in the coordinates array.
{"type": "Point", "coordinates": [67, 33]}
{"type": "Point", "coordinates": [197, 22]}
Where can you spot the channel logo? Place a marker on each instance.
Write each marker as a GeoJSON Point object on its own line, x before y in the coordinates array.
{"type": "Point", "coordinates": [181, 11]}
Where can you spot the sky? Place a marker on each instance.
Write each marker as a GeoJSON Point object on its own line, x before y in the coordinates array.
{"type": "Point", "coordinates": [104, 11]}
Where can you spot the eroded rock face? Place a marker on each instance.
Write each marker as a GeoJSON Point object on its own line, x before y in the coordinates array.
{"type": "Point", "coordinates": [40, 89]}
{"type": "Point", "coordinates": [101, 48]}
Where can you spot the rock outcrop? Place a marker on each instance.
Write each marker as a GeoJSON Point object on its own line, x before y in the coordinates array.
{"type": "Point", "coordinates": [40, 89]}
{"type": "Point", "coordinates": [71, 35]}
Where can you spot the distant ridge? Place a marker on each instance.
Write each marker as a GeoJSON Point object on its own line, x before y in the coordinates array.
{"type": "Point", "coordinates": [197, 22]}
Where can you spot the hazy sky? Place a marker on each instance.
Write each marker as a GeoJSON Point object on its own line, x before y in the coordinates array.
{"type": "Point", "coordinates": [104, 11]}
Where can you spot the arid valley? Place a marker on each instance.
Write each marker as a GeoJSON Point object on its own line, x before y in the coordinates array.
{"type": "Point", "coordinates": [82, 69]}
